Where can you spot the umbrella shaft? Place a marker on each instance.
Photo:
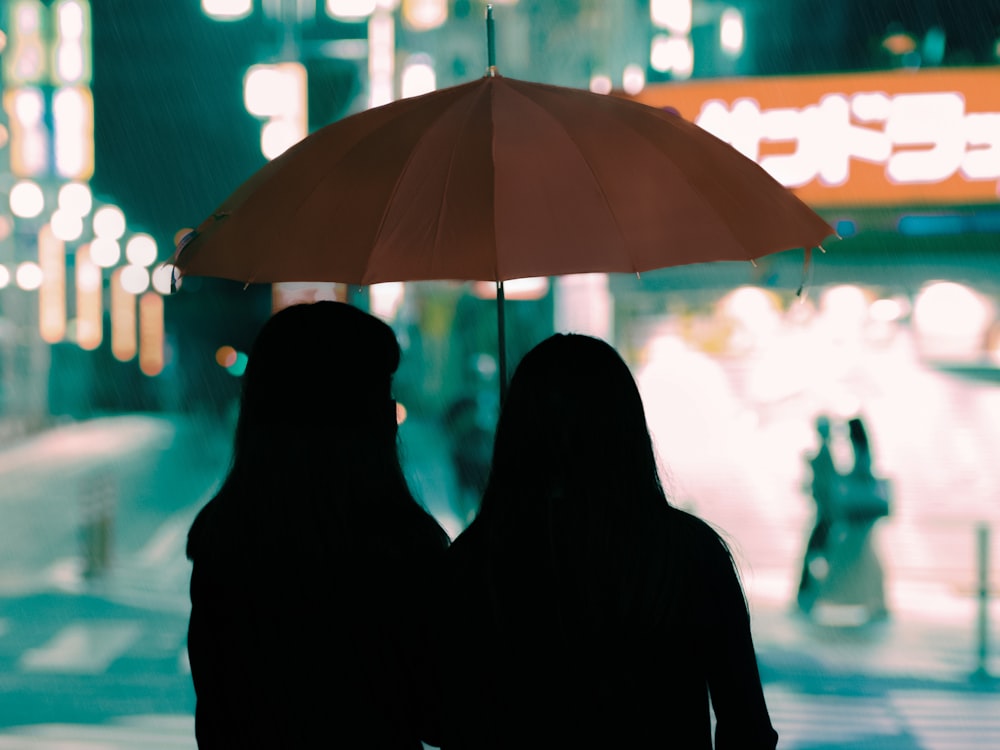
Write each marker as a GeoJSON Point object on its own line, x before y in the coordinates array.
{"type": "Point", "coordinates": [501, 342]}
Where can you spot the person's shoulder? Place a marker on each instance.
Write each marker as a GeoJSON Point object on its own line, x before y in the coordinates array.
{"type": "Point", "coordinates": [467, 546]}
{"type": "Point", "coordinates": [200, 531]}
{"type": "Point", "coordinates": [699, 535]}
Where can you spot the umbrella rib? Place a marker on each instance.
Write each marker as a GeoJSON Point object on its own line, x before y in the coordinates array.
{"type": "Point", "coordinates": [404, 171]}
{"type": "Point", "coordinates": [584, 159]}
{"type": "Point", "coordinates": [696, 190]}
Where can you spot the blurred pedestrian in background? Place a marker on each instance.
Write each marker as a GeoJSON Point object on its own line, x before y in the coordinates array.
{"type": "Point", "coordinates": [585, 610]}
{"type": "Point", "coordinates": [313, 566]}
{"type": "Point", "coordinates": [854, 590]}
{"type": "Point", "coordinates": [825, 477]}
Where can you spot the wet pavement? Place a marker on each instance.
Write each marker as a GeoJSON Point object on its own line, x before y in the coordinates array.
{"type": "Point", "coordinates": [101, 660]}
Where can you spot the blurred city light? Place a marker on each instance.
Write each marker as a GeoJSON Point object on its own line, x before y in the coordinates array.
{"type": "Point", "coordinates": [239, 366]}
{"type": "Point", "coordinates": [350, 9]}
{"type": "Point", "coordinates": [73, 127]}
{"type": "Point", "coordinates": [25, 63]}
{"type": "Point", "coordinates": [225, 356]}
{"type": "Point", "coordinates": [278, 94]}
{"type": "Point", "coordinates": [29, 137]}
{"type": "Point", "coordinates": [4, 276]}
{"type": "Point", "coordinates": [385, 299]}
{"type": "Point", "coordinates": [105, 252]}
{"type": "Point", "coordinates": [534, 287]}
{"type": "Point", "coordinates": [28, 276]}
{"type": "Point", "coordinates": [135, 279]}
{"type": "Point", "coordinates": [141, 250]}
{"type": "Point", "coordinates": [89, 301]}
{"type": "Point", "coordinates": [674, 15]}
{"type": "Point", "coordinates": [672, 54]}
{"type": "Point", "coordinates": [423, 15]}
{"type": "Point", "coordinates": [899, 42]}
{"type": "Point", "coordinates": [227, 10]}
{"type": "Point", "coordinates": [26, 199]}
{"type": "Point", "coordinates": [951, 321]}
{"type": "Point", "coordinates": [381, 58]}
{"type": "Point", "coordinates": [846, 228]}
{"type": "Point", "coordinates": [418, 76]}
{"type": "Point", "coordinates": [152, 355]}
{"type": "Point", "coordinates": [846, 304]}
{"type": "Point", "coordinates": [52, 290]}
{"type": "Point", "coordinates": [76, 198]}
{"type": "Point", "coordinates": [601, 84]}
{"type": "Point", "coordinates": [66, 226]}
{"type": "Point", "coordinates": [109, 222]}
{"type": "Point", "coordinates": [124, 329]}
{"type": "Point", "coordinates": [180, 234]}
{"type": "Point", "coordinates": [161, 278]}
{"type": "Point", "coordinates": [731, 32]}
{"type": "Point", "coordinates": [886, 310]}
{"type": "Point", "coordinates": [72, 43]}
{"type": "Point", "coordinates": [269, 90]}
{"type": "Point", "coordinates": [633, 79]}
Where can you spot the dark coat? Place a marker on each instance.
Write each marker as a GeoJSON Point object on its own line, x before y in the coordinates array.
{"type": "Point", "coordinates": [305, 647]}
{"type": "Point", "coordinates": [530, 666]}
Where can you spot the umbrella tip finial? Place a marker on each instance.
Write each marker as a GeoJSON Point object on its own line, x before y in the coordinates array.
{"type": "Point", "coordinates": [491, 47]}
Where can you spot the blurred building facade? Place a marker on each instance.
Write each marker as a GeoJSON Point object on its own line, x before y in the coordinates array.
{"type": "Point", "coordinates": [171, 134]}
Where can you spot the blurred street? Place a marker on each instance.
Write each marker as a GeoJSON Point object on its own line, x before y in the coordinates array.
{"type": "Point", "coordinates": [98, 659]}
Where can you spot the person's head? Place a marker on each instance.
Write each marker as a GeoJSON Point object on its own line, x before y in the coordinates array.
{"type": "Point", "coordinates": [319, 374]}
{"type": "Point", "coordinates": [315, 450]}
{"type": "Point", "coordinates": [823, 427]}
{"type": "Point", "coordinates": [573, 424]}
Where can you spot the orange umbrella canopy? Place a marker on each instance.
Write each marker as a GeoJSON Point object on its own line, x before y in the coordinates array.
{"type": "Point", "coordinates": [498, 179]}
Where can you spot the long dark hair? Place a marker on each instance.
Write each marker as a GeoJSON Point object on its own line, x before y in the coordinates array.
{"type": "Point", "coordinates": [315, 460]}
{"type": "Point", "coordinates": [577, 520]}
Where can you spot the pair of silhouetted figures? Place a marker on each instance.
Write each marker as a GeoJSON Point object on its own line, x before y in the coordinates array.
{"type": "Point", "coordinates": [578, 610]}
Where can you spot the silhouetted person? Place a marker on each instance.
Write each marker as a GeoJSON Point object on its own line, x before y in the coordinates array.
{"type": "Point", "coordinates": [313, 565]}
{"type": "Point", "coordinates": [584, 610]}
{"type": "Point", "coordinates": [824, 484]}
{"type": "Point", "coordinates": [856, 578]}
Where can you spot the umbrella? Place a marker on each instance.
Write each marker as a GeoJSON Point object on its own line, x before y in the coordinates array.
{"type": "Point", "coordinates": [498, 179]}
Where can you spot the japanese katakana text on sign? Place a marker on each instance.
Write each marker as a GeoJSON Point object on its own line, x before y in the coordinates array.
{"type": "Point", "coordinates": [931, 137]}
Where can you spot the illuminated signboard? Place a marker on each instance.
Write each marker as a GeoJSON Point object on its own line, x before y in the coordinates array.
{"type": "Point", "coordinates": [929, 137]}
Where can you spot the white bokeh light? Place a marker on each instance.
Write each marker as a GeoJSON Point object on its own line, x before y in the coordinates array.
{"type": "Point", "coordinates": [141, 250]}
{"type": "Point", "coordinates": [66, 226]}
{"type": "Point", "coordinates": [162, 276]}
{"type": "Point", "coordinates": [135, 279]}
{"type": "Point", "coordinates": [29, 276]}
{"type": "Point", "coordinates": [227, 10]}
{"type": "Point", "coordinates": [601, 84]}
{"type": "Point", "coordinates": [109, 222]}
{"type": "Point", "coordinates": [418, 76]}
{"type": "Point", "coordinates": [26, 199]}
{"type": "Point", "coordinates": [633, 79]}
{"type": "Point", "coordinates": [4, 277]}
{"type": "Point", "coordinates": [76, 198]}
{"type": "Point", "coordinates": [105, 252]}
{"type": "Point", "coordinates": [350, 9]}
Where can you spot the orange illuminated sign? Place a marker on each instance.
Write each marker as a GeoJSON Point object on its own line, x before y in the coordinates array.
{"type": "Point", "coordinates": [928, 137]}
